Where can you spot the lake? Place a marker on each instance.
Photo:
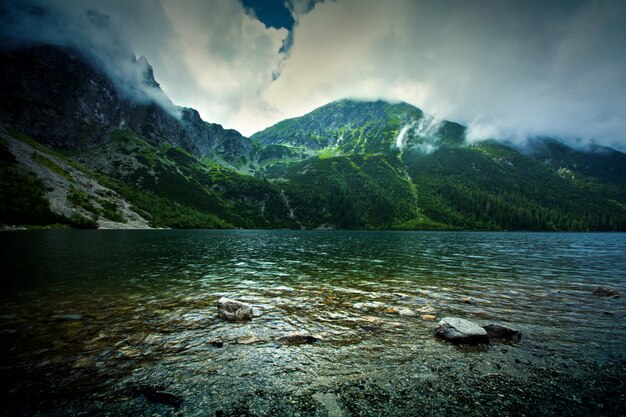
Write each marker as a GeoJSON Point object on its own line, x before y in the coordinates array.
{"type": "Point", "coordinates": [89, 319]}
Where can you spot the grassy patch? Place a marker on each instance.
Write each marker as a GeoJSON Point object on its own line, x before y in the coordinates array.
{"type": "Point", "coordinates": [81, 199]}
{"type": "Point", "coordinates": [329, 153]}
{"type": "Point", "coordinates": [51, 165]}
{"type": "Point", "coordinates": [22, 200]}
{"type": "Point", "coordinates": [164, 212]}
{"type": "Point", "coordinates": [29, 140]}
{"type": "Point", "coordinates": [110, 210]}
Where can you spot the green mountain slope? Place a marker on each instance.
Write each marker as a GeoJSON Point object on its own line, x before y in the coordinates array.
{"type": "Point", "coordinates": [486, 186]}
{"type": "Point", "coordinates": [67, 157]}
{"type": "Point", "coordinates": [166, 186]}
{"type": "Point", "coordinates": [491, 186]}
{"type": "Point", "coordinates": [350, 126]}
{"type": "Point", "coordinates": [358, 191]}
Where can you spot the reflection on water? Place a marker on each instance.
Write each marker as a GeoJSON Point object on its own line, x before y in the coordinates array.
{"type": "Point", "coordinates": [101, 310]}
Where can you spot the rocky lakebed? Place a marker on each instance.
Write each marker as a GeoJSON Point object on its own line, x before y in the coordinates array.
{"type": "Point", "coordinates": [254, 330]}
{"type": "Point", "coordinates": [193, 356]}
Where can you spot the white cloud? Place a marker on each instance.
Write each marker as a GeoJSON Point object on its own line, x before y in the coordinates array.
{"type": "Point", "coordinates": [503, 67]}
{"type": "Point", "coordinates": [231, 57]}
{"type": "Point", "coordinates": [527, 68]}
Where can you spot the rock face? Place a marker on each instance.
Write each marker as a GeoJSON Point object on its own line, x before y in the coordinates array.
{"type": "Point", "coordinates": [498, 331]}
{"type": "Point", "coordinates": [233, 310]}
{"type": "Point", "coordinates": [65, 100]}
{"type": "Point", "coordinates": [298, 338]}
{"type": "Point", "coordinates": [457, 330]}
{"type": "Point", "coordinates": [606, 291]}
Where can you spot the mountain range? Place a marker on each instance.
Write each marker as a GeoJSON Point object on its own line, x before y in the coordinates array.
{"type": "Point", "coordinates": [78, 148]}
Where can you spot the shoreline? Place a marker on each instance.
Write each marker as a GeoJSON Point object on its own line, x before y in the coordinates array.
{"type": "Point", "coordinates": [12, 228]}
{"type": "Point", "coordinates": [431, 388]}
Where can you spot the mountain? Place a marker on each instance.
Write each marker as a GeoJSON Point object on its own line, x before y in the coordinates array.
{"type": "Point", "coordinates": [102, 157]}
{"type": "Point", "coordinates": [488, 185]}
{"type": "Point", "coordinates": [361, 127]}
{"type": "Point", "coordinates": [57, 95]}
{"type": "Point", "coordinates": [79, 147]}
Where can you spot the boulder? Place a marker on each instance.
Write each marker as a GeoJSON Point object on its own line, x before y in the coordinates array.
{"type": "Point", "coordinates": [298, 338]}
{"type": "Point", "coordinates": [457, 330]}
{"type": "Point", "coordinates": [406, 312]}
{"type": "Point", "coordinates": [606, 291]}
{"type": "Point", "coordinates": [248, 340]}
{"type": "Point", "coordinates": [233, 310]}
{"type": "Point", "coordinates": [218, 343]}
{"type": "Point", "coordinates": [498, 331]}
{"type": "Point", "coordinates": [158, 394]}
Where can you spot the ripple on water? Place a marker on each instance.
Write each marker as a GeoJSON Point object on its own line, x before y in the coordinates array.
{"type": "Point", "coordinates": [128, 307]}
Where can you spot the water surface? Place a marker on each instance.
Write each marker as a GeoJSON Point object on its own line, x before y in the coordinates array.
{"type": "Point", "coordinates": [95, 312]}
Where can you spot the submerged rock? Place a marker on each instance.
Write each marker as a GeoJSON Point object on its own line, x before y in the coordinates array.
{"type": "Point", "coordinates": [218, 343]}
{"type": "Point", "coordinates": [158, 394]}
{"type": "Point", "coordinates": [298, 338]}
{"type": "Point", "coordinates": [457, 330]}
{"type": "Point", "coordinates": [248, 340]}
{"type": "Point", "coordinates": [370, 328]}
{"type": "Point", "coordinates": [329, 403]}
{"type": "Point", "coordinates": [68, 317]}
{"type": "Point", "coordinates": [606, 291]}
{"type": "Point", "coordinates": [498, 331]}
{"type": "Point", "coordinates": [406, 312]}
{"type": "Point", "coordinates": [233, 310]}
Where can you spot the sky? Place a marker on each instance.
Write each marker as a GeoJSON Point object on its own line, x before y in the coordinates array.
{"type": "Point", "coordinates": [507, 69]}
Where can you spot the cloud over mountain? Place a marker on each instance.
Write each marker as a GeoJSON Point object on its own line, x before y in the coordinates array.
{"type": "Point", "coordinates": [505, 68]}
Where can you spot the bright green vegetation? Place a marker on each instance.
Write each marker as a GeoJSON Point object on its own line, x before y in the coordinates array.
{"type": "Point", "coordinates": [366, 127]}
{"type": "Point", "coordinates": [351, 192]}
{"type": "Point", "coordinates": [454, 186]}
{"type": "Point", "coordinates": [352, 165]}
{"type": "Point", "coordinates": [106, 208]}
{"type": "Point", "coordinates": [51, 165]}
{"type": "Point", "coordinates": [348, 126]}
{"type": "Point", "coordinates": [490, 186]}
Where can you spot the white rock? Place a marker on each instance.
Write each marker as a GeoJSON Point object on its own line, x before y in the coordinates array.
{"type": "Point", "coordinates": [457, 330]}
{"type": "Point", "coordinates": [233, 310]}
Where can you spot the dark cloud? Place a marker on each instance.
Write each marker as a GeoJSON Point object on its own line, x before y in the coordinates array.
{"type": "Point", "coordinates": [208, 55]}
{"type": "Point", "coordinates": [93, 33]}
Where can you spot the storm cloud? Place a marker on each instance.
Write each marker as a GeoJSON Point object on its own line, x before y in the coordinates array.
{"type": "Point", "coordinates": [507, 69]}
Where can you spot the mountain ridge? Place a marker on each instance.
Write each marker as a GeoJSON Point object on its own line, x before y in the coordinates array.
{"type": "Point", "coordinates": [37, 100]}
{"type": "Point", "coordinates": [104, 159]}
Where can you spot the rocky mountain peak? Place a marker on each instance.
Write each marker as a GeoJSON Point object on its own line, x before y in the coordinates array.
{"type": "Point", "coordinates": [147, 72]}
{"type": "Point", "coordinates": [65, 100]}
